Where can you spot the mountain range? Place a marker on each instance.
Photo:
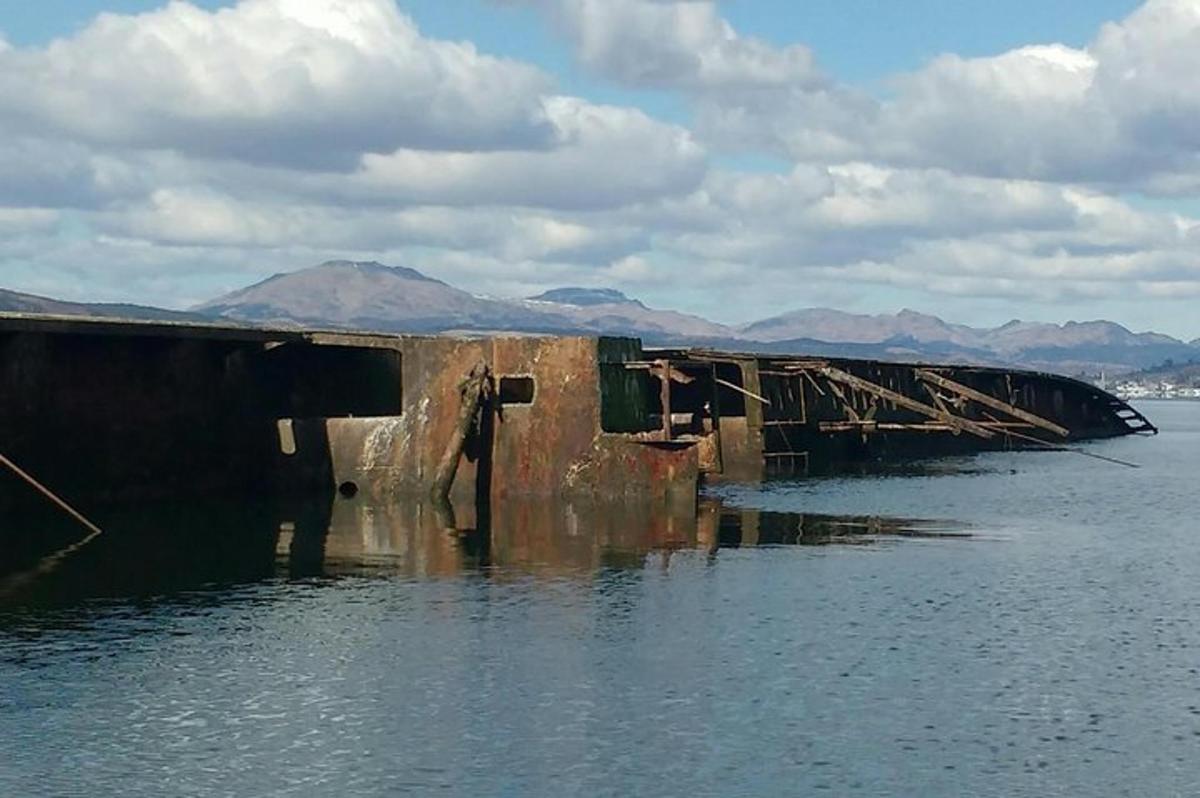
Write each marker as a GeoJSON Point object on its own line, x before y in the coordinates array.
{"type": "Point", "coordinates": [372, 296]}
{"type": "Point", "coordinates": [14, 302]}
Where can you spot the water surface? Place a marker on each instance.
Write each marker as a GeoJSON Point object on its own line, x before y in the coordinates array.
{"type": "Point", "coordinates": [1007, 624]}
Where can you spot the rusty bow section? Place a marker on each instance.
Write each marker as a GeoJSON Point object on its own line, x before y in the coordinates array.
{"type": "Point", "coordinates": [800, 415]}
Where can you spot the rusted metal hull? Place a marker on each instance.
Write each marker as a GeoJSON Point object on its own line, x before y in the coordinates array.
{"type": "Point", "coordinates": [113, 412]}
{"type": "Point", "coordinates": [808, 416]}
{"type": "Point", "coordinates": [106, 411]}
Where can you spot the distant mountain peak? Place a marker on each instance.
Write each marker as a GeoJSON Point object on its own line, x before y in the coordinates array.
{"type": "Point", "coordinates": [372, 266]}
{"type": "Point", "coordinates": [585, 297]}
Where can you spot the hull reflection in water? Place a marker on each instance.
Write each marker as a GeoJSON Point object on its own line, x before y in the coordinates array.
{"type": "Point", "coordinates": [153, 551]}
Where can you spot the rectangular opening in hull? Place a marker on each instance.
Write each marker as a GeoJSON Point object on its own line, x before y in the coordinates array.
{"type": "Point", "coordinates": [327, 381]}
{"type": "Point", "coordinates": [516, 390]}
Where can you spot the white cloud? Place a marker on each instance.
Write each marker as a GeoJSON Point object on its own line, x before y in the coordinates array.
{"type": "Point", "coordinates": [300, 82]}
{"type": "Point", "coordinates": [1024, 113]}
{"type": "Point", "coordinates": [630, 269]}
{"type": "Point", "coordinates": [207, 220]}
{"type": "Point", "coordinates": [602, 156]}
{"type": "Point", "coordinates": [932, 232]}
{"type": "Point", "coordinates": [25, 220]}
{"type": "Point", "coordinates": [675, 45]}
{"type": "Point", "coordinates": [1120, 113]}
{"type": "Point", "coordinates": [170, 156]}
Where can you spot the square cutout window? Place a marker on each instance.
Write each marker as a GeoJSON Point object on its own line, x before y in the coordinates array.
{"type": "Point", "coordinates": [516, 390]}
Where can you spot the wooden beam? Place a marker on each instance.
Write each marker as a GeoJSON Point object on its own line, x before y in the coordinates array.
{"type": "Point", "coordinates": [957, 422]}
{"type": "Point", "coordinates": [992, 402]}
{"type": "Point", "coordinates": [812, 380]}
{"type": "Point", "coordinates": [841, 396]}
{"type": "Point", "coordinates": [741, 390]}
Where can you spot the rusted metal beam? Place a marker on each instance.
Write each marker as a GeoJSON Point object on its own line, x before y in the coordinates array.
{"type": "Point", "coordinates": [663, 368]}
{"type": "Point", "coordinates": [657, 369]}
{"type": "Point", "coordinates": [1054, 447]}
{"type": "Point", "coordinates": [841, 397]}
{"type": "Point", "coordinates": [958, 423]}
{"type": "Point", "coordinates": [992, 402]}
{"type": "Point", "coordinates": [741, 390]}
{"type": "Point", "coordinates": [475, 389]}
{"type": "Point", "coordinates": [867, 425]}
{"type": "Point", "coordinates": [847, 426]}
{"type": "Point", "coordinates": [49, 494]}
{"type": "Point", "coordinates": [938, 402]}
{"type": "Point", "coordinates": [812, 381]}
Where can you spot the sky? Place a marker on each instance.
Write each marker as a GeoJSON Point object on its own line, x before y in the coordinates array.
{"type": "Point", "coordinates": [980, 161]}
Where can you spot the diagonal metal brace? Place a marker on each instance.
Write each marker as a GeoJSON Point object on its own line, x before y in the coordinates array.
{"type": "Point", "coordinates": [957, 423]}
{"type": "Point", "coordinates": [992, 402]}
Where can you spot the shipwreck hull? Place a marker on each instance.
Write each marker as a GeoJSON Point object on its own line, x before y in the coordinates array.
{"type": "Point", "coordinates": [110, 412]}
{"type": "Point", "coordinates": [799, 416]}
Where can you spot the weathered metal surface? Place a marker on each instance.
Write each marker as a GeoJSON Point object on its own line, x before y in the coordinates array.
{"type": "Point", "coordinates": [158, 409]}
{"type": "Point", "coordinates": [475, 396]}
{"type": "Point", "coordinates": [551, 446]}
{"type": "Point", "coordinates": [708, 452]}
{"type": "Point", "coordinates": [115, 417]}
{"type": "Point", "coordinates": [741, 450]}
{"type": "Point", "coordinates": [827, 413]}
{"type": "Point", "coordinates": [541, 447]}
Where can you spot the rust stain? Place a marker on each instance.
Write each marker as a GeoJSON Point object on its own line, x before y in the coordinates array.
{"type": "Point", "coordinates": [292, 412]}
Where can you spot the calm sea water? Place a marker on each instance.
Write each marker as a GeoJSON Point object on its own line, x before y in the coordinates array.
{"type": "Point", "coordinates": [1008, 624]}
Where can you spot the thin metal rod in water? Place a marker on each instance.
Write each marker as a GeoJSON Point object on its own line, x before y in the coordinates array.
{"type": "Point", "coordinates": [1059, 448]}
{"type": "Point", "coordinates": [49, 494]}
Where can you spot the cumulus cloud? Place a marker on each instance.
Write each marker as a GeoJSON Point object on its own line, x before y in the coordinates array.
{"type": "Point", "coordinates": [169, 156]}
{"type": "Point", "coordinates": [929, 232]}
{"type": "Point", "coordinates": [603, 156]}
{"type": "Point", "coordinates": [207, 219]}
{"type": "Point", "coordinates": [675, 45]}
{"type": "Point", "coordinates": [1120, 112]}
{"type": "Point", "coordinates": [748, 94]}
{"type": "Point", "coordinates": [620, 155]}
{"type": "Point", "coordinates": [344, 99]}
{"type": "Point", "coordinates": [300, 82]}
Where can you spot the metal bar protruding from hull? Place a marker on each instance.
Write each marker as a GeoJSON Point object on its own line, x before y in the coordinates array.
{"type": "Point", "coordinates": [907, 402]}
{"type": "Point", "coordinates": [992, 402]}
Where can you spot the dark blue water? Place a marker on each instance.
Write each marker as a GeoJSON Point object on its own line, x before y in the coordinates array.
{"type": "Point", "coordinates": [1053, 650]}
